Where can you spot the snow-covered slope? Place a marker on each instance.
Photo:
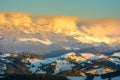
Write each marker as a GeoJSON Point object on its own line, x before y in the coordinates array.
{"type": "Point", "coordinates": [92, 56]}
{"type": "Point", "coordinates": [117, 54]}
{"type": "Point", "coordinates": [68, 61]}
{"type": "Point", "coordinates": [46, 42]}
{"type": "Point", "coordinates": [60, 64]}
{"type": "Point", "coordinates": [69, 64]}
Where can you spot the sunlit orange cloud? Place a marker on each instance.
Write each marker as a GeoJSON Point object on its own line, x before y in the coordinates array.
{"type": "Point", "coordinates": [15, 18]}
{"type": "Point", "coordinates": [58, 23]}
{"type": "Point", "coordinates": [106, 30]}
{"type": "Point", "coordinates": [64, 23]}
{"type": "Point", "coordinates": [2, 18]}
{"type": "Point", "coordinates": [43, 20]}
{"type": "Point", "coordinates": [99, 30]}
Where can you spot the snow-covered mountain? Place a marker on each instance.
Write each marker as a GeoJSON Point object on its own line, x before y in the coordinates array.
{"type": "Point", "coordinates": [66, 46]}
{"type": "Point", "coordinates": [47, 35]}
{"type": "Point", "coordinates": [71, 61]}
{"type": "Point", "coordinates": [82, 65]}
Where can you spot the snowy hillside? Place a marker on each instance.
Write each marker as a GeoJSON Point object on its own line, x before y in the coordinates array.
{"type": "Point", "coordinates": [71, 61]}
{"type": "Point", "coordinates": [82, 65]}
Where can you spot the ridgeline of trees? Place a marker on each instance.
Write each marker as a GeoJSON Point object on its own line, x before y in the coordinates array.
{"type": "Point", "coordinates": [33, 77]}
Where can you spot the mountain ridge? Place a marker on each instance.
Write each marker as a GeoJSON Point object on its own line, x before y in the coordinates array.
{"type": "Point", "coordinates": [21, 32]}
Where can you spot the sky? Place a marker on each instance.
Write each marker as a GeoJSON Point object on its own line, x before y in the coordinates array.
{"type": "Point", "coordinates": [81, 8]}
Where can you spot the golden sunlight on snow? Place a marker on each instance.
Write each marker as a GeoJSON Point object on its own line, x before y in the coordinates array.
{"type": "Point", "coordinates": [101, 30]}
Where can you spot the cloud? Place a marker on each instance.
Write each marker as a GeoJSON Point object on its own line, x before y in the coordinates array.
{"type": "Point", "coordinates": [2, 18]}
{"type": "Point", "coordinates": [106, 30]}
{"type": "Point", "coordinates": [64, 23]}
{"type": "Point", "coordinates": [58, 22]}
{"type": "Point", "coordinates": [101, 30]}
{"type": "Point", "coordinates": [15, 18]}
